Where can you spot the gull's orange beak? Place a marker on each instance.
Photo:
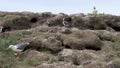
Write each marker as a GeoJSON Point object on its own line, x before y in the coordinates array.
{"type": "Point", "coordinates": [8, 48]}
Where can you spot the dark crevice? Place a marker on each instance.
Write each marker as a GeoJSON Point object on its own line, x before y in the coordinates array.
{"type": "Point", "coordinates": [65, 46]}
{"type": "Point", "coordinates": [6, 29]}
{"type": "Point", "coordinates": [75, 62]}
{"type": "Point", "coordinates": [116, 28]}
{"type": "Point", "coordinates": [68, 47]}
{"type": "Point", "coordinates": [33, 20]}
{"type": "Point", "coordinates": [92, 48]}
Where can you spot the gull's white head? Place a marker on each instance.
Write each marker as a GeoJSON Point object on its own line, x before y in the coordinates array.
{"type": "Point", "coordinates": [10, 46]}
{"type": "Point", "coordinates": [63, 19]}
{"type": "Point", "coordinates": [28, 43]}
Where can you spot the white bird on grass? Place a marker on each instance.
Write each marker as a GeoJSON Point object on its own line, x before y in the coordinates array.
{"type": "Point", "coordinates": [21, 47]}
{"type": "Point", "coordinates": [1, 28]}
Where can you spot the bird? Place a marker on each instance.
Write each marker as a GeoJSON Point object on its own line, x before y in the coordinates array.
{"type": "Point", "coordinates": [94, 11]}
{"type": "Point", "coordinates": [94, 7]}
{"type": "Point", "coordinates": [1, 28]}
{"type": "Point", "coordinates": [48, 22]}
{"type": "Point", "coordinates": [18, 48]}
{"type": "Point", "coordinates": [65, 23]}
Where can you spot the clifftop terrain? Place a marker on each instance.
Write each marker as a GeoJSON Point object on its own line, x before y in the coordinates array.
{"type": "Point", "coordinates": [60, 40]}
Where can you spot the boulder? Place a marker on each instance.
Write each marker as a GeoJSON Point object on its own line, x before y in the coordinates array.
{"type": "Point", "coordinates": [45, 41]}
{"type": "Point", "coordinates": [95, 64]}
{"type": "Point", "coordinates": [57, 65]}
{"type": "Point", "coordinates": [34, 58]}
{"type": "Point", "coordinates": [81, 57]}
{"type": "Point", "coordinates": [83, 40]}
{"type": "Point", "coordinates": [37, 55]}
{"type": "Point", "coordinates": [73, 43]}
{"type": "Point", "coordinates": [115, 63]}
{"type": "Point", "coordinates": [67, 55]}
{"type": "Point", "coordinates": [52, 43]}
{"type": "Point", "coordinates": [106, 35]}
{"type": "Point", "coordinates": [66, 31]}
{"type": "Point", "coordinates": [15, 22]}
{"type": "Point", "coordinates": [57, 20]}
{"type": "Point", "coordinates": [78, 22]}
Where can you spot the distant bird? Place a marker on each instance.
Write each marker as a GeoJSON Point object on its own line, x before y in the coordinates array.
{"type": "Point", "coordinates": [65, 23]}
{"type": "Point", "coordinates": [1, 28]}
{"type": "Point", "coordinates": [94, 7]}
{"type": "Point", "coordinates": [48, 22]}
{"type": "Point", "coordinates": [21, 47]}
{"type": "Point", "coordinates": [94, 11]}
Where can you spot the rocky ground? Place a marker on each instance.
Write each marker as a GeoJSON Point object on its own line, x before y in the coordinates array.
{"type": "Point", "coordinates": [84, 41]}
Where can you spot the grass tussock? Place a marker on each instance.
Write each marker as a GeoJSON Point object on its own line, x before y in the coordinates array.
{"type": "Point", "coordinates": [8, 59]}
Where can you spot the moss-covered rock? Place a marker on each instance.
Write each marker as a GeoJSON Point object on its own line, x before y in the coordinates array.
{"type": "Point", "coordinates": [15, 22]}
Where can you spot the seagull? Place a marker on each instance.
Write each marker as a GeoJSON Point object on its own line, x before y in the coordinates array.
{"type": "Point", "coordinates": [48, 22]}
{"type": "Point", "coordinates": [21, 47]}
{"type": "Point", "coordinates": [65, 23]}
{"type": "Point", "coordinates": [94, 11]}
{"type": "Point", "coordinates": [1, 28]}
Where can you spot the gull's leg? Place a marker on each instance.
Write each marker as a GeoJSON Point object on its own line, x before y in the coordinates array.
{"type": "Point", "coordinates": [17, 55]}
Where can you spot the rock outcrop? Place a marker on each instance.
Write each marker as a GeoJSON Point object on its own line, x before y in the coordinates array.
{"type": "Point", "coordinates": [85, 42]}
{"type": "Point", "coordinates": [26, 20]}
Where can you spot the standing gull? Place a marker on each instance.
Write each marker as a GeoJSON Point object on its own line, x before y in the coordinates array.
{"type": "Point", "coordinates": [19, 47]}
{"type": "Point", "coordinates": [94, 11]}
{"type": "Point", "coordinates": [65, 23]}
{"type": "Point", "coordinates": [1, 28]}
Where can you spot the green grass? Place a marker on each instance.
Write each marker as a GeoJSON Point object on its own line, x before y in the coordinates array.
{"type": "Point", "coordinates": [108, 47]}
{"type": "Point", "coordinates": [52, 58]}
{"type": "Point", "coordinates": [8, 59]}
{"type": "Point", "coordinates": [31, 61]}
{"type": "Point", "coordinates": [98, 14]}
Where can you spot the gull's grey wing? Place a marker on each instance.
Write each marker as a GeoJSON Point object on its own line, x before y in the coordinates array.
{"type": "Point", "coordinates": [22, 45]}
